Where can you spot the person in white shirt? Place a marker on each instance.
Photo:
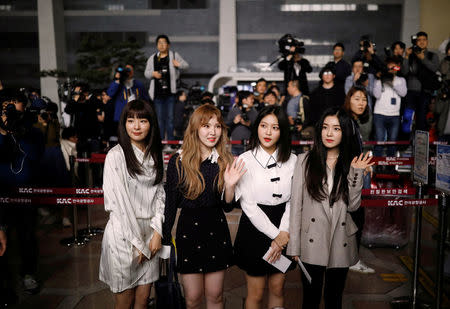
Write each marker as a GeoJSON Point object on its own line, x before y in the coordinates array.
{"type": "Point", "coordinates": [134, 197]}
{"type": "Point", "coordinates": [388, 91]}
{"type": "Point", "coordinates": [264, 192]}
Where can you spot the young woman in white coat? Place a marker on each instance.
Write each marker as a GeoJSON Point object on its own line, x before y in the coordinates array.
{"type": "Point", "coordinates": [326, 187]}
{"type": "Point", "coordinates": [134, 197]}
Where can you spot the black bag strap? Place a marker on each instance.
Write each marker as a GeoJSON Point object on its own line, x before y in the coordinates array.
{"type": "Point", "coordinates": [172, 273]}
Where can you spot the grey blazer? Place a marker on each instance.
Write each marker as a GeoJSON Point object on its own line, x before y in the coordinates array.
{"type": "Point", "coordinates": [318, 236]}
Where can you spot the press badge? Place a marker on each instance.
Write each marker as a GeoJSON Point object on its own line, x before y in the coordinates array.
{"type": "Point", "coordinates": [393, 101]}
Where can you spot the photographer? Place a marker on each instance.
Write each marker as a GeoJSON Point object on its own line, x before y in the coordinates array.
{"type": "Point", "coordinates": [260, 90]}
{"type": "Point", "coordinates": [299, 112]}
{"type": "Point", "coordinates": [388, 91]}
{"type": "Point", "coordinates": [239, 120]}
{"type": "Point", "coordinates": [83, 111]}
{"type": "Point", "coordinates": [420, 67]}
{"type": "Point", "coordinates": [361, 77]}
{"type": "Point", "coordinates": [293, 64]}
{"type": "Point", "coordinates": [327, 94]}
{"type": "Point", "coordinates": [163, 70]}
{"type": "Point", "coordinates": [367, 53]}
{"type": "Point", "coordinates": [21, 148]}
{"type": "Point", "coordinates": [123, 89]}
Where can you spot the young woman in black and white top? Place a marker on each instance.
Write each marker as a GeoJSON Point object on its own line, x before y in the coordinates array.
{"type": "Point", "coordinates": [264, 193]}
{"type": "Point", "coordinates": [201, 180]}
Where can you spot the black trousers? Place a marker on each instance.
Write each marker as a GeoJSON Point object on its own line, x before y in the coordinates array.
{"type": "Point", "coordinates": [334, 286]}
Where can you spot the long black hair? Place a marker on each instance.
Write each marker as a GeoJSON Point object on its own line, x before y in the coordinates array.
{"type": "Point", "coordinates": [316, 166]}
{"type": "Point", "coordinates": [284, 143]}
{"type": "Point", "coordinates": [141, 109]}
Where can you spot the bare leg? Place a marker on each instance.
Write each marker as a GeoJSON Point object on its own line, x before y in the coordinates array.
{"type": "Point", "coordinates": [214, 289]}
{"type": "Point", "coordinates": [193, 289]}
{"type": "Point", "coordinates": [141, 296]}
{"type": "Point", "coordinates": [276, 285]}
{"type": "Point", "coordinates": [255, 291]}
{"type": "Point", "coordinates": [124, 300]}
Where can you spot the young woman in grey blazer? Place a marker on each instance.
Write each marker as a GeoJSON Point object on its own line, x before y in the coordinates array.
{"type": "Point", "coordinates": [326, 187]}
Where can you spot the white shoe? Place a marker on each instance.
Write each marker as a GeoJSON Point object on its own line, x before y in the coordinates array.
{"type": "Point", "coordinates": [362, 268]}
{"type": "Point", "coordinates": [30, 284]}
{"type": "Point", "coordinates": [66, 222]}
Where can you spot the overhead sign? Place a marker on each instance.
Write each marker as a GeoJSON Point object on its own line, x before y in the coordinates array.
{"type": "Point", "coordinates": [421, 150]}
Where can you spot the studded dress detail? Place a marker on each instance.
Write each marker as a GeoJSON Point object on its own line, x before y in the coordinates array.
{"type": "Point", "coordinates": [202, 237]}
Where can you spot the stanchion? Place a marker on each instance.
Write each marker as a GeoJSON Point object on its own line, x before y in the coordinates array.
{"type": "Point", "coordinates": [89, 231]}
{"type": "Point", "coordinates": [75, 239]}
{"type": "Point", "coordinates": [443, 205]}
{"type": "Point", "coordinates": [412, 301]}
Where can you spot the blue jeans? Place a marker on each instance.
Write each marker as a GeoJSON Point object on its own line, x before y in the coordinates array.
{"type": "Point", "coordinates": [419, 101]}
{"type": "Point", "coordinates": [385, 127]}
{"type": "Point", "coordinates": [164, 111]}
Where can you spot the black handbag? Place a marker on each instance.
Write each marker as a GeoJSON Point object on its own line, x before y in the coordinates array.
{"type": "Point", "coordinates": [167, 288]}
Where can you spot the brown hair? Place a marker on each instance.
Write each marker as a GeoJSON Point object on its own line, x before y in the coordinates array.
{"type": "Point", "coordinates": [190, 178]}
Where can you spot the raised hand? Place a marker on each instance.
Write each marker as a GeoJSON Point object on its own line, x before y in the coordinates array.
{"type": "Point", "coordinates": [234, 172]}
{"type": "Point", "coordinates": [362, 161]}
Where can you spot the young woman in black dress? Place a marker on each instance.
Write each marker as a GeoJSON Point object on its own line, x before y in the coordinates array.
{"type": "Point", "coordinates": [201, 180]}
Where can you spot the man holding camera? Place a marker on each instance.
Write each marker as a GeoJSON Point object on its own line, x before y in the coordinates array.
{"type": "Point", "coordinates": [367, 53]}
{"type": "Point", "coordinates": [163, 70]}
{"type": "Point", "coordinates": [21, 149]}
{"type": "Point", "coordinates": [295, 66]}
{"type": "Point", "coordinates": [240, 119]}
{"type": "Point", "coordinates": [419, 67]}
{"type": "Point", "coordinates": [299, 112]}
{"type": "Point", "coordinates": [124, 88]}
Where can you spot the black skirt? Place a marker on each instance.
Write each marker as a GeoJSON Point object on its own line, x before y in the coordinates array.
{"type": "Point", "coordinates": [251, 244]}
{"type": "Point", "coordinates": [203, 241]}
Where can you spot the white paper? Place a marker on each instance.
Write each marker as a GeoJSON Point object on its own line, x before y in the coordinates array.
{"type": "Point", "coordinates": [164, 253]}
{"type": "Point", "coordinates": [305, 272]}
{"type": "Point", "coordinates": [282, 263]}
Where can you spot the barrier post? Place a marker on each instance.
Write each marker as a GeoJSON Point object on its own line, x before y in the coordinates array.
{"type": "Point", "coordinates": [75, 240]}
{"type": "Point", "coordinates": [443, 206]}
{"type": "Point", "coordinates": [417, 246]}
{"type": "Point", "coordinates": [89, 231]}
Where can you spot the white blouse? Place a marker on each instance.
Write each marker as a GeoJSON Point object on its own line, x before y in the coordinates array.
{"type": "Point", "coordinates": [266, 182]}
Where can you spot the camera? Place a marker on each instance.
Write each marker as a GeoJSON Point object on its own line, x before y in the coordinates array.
{"type": "Point", "coordinates": [364, 75]}
{"type": "Point", "coordinates": [164, 81]}
{"type": "Point", "coordinates": [416, 49]}
{"type": "Point", "coordinates": [365, 45]}
{"type": "Point", "coordinates": [388, 52]}
{"type": "Point", "coordinates": [243, 108]}
{"type": "Point", "coordinates": [287, 41]}
{"type": "Point", "coordinates": [12, 117]}
{"type": "Point", "coordinates": [124, 73]}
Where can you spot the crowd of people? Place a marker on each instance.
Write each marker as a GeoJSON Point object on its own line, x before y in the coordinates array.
{"type": "Point", "coordinates": [304, 207]}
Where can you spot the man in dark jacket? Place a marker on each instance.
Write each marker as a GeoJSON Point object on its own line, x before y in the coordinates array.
{"type": "Point", "coordinates": [295, 67]}
{"type": "Point", "coordinates": [342, 67]}
{"type": "Point", "coordinates": [419, 66]}
{"type": "Point", "coordinates": [327, 94]}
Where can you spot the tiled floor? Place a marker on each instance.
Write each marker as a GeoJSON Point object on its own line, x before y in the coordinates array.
{"type": "Point", "coordinates": [69, 276]}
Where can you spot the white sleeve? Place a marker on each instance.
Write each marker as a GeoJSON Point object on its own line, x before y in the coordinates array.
{"type": "Point", "coordinates": [117, 200]}
{"type": "Point", "coordinates": [249, 206]}
{"type": "Point", "coordinates": [159, 205]}
{"type": "Point", "coordinates": [284, 225]}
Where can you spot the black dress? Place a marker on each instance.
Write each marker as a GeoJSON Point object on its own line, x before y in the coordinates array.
{"type": "Point", "coordinates": [202, 238]}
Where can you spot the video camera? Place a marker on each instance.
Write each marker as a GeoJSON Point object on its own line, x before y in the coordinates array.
{"type": "Point", "coordinates": [365, 45]}
{"type": "Point", "coordinates": [287, 41]}
{"type": "Point", "coordinates": [124, 73]}
{"type": "Point", "coordinates": [416, 49]}
{"type": "Point", "coordinates": [364, 75]}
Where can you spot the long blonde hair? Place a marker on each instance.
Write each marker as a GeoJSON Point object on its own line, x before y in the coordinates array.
{"type": "Point", "coordinates": [191, 180]}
